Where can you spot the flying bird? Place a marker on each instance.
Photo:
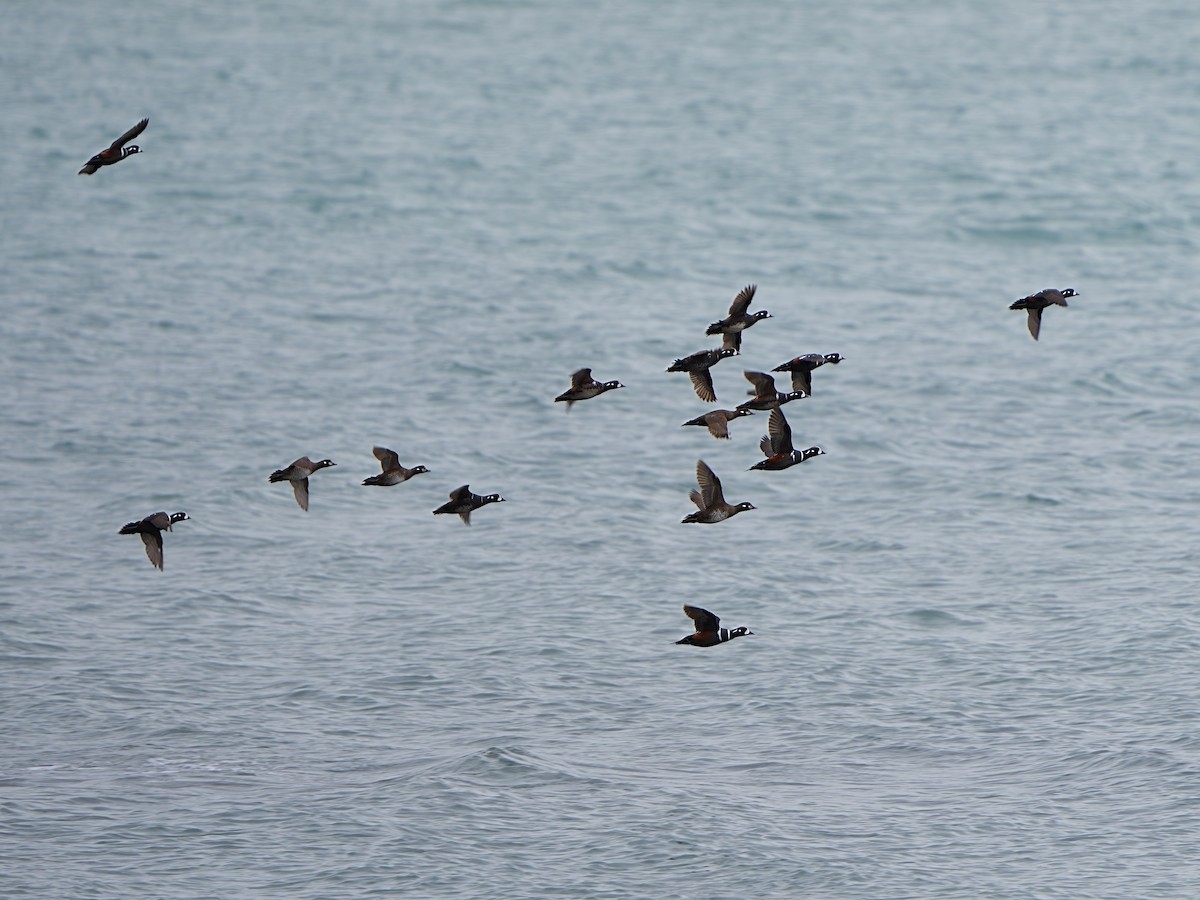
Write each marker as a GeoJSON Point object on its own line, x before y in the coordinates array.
{"type": "Point", "coordinates": [393, 472]}
{"type": "Point", "coordinates": [710, 500]}
{"type": "Point", "coordinates": [463, 502]}
{"type": "Point", "coordinates": [1035, 303]}
{"type": "Point", "coordinates": [297, 473]}
{"type": "Point", "coordinates": [584, 387]}
{"type": "Point", "coordinates": [151, 529]}
{"type": "Point", "coordinates": [738, 319]}
{"type": "Point", "coordinates": [709, 632]}
{"type": "Point", "coordinates": [116, 151]}
{"type": "Point", "coordinates": [776, 445]}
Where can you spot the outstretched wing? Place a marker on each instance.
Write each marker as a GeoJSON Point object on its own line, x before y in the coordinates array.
{"type": "Point", "coordinates": [764, 384]}
{"type": "Point", "coordinates": [741, 302]}
{"type": "Point", "coordinates": [128, 136]}
{"type": "Point", "coordinates": [718, 424]}
{"type": "Point", "coordinates": [705, 621]}
{"type": "Point", "coordinates": [153, 542]}
{"type": "Point", "coordinates": [300, 489]}
{"type": "Point", "coordinates": [710, 485]}
{"type": "Point", "coordinates": [388, 459]}
{"type": "Point", "coordinates": [1035, 321]}
{"type": "Point", "coordinates": [702, 382]}
{"type": "Point", "coordinates": [581, 379]}
{"type": "Point", "coordinates": [780, 433]}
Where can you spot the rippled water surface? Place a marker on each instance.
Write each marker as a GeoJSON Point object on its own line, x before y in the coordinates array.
{"type": "Point", "coordinates": [972, 672]}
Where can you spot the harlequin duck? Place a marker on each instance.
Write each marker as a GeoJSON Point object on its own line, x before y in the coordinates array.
{"type": "Point", "coordinates": [710, 500]}
{"type": "Point", "coordinates": [776, 445]}
{"type": "Point", "coordinates": [709, 632]}
{"type": "Point", "coordinates": [463, 502]}
{"type": "Point", "coordinates": [765, 394]}
{"type": "Point", "coordinates": [718, 420]}
{"type": "Point", "coordinates": [801, 368]}
{"type": "Point", "coordinates": [584, 387]}
{"type": "Point", "coordinates": [151, 529]}
{"type": "Point", "coordinates": [393, 472]}
{"type": "Point", "coordinates": [1035, 303]}
{"type": "Point", "coordinates": [116, 151]}
{"type": "Point", "coordinates": [697, 366]}
{"type": "Point", "coordinates": [738, 319]}
{"type": "Point", "coordinates": [297, 473]}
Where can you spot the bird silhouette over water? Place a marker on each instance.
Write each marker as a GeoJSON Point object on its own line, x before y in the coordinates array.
{"type": "Point", "coordinates": [765, 394]}
{"type": "Point", "coordinates": [393, 472]}
{"type": "Point", "coordinates": [297, 473]}
{"type": "Point", "coordinates": [717, 421]}
{"type": "Point", "coordinates": [116, 151]}
{"type": "Point", "coordinates": [1035, 303]}
{"type": "Point", "coordinates": [584, 387]}
{"type": "Point", "coordinates": [738, 319]}
{"type": "Point", "coordinates": [463, 502]}
{"type": "Point", "coordinates": [777, 447]}
{"type": "Point", "coordinates": [151, 529]}
{"type": "Point", "coordinates": [709, 632]}
{"type": "Point", "coordinates": [802, 367]}
{"type": "Point", "coordinates": [710, 499]}
{"type": "Point", "coordinates": [697, 366]}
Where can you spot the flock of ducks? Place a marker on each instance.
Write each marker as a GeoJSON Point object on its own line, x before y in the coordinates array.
{"type": "Point", "coordinates": [709, 498]}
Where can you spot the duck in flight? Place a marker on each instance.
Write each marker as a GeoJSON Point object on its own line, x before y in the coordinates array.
{"type": "Point", "coordinates": [710, 499]}
{"type": "Point", "coordinates": [585, 387]}
{"type": "Point", "coordinates": [1035, 303]}
{"type": "Point", "coordinates": [151, 529]}
{"type": "Point", "coordinates": [116, 151]}
{"type": "Point", "coordinates": [297, 473]}
{"type": "Point", "coordinates": [777, 447]}
{"type": "Point", "coordinates": [393, 472]}
{"type": "Point", "coordinates": [709, 632]}
{"type": "Point", "coordinates": [738, 319]}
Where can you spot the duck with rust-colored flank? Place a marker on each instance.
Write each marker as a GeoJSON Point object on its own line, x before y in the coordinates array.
{"type": "Point", "coordinates": [297, 473]}
{"type": "Point", "coordinates": [717, 421]}
{"type": "Point", "coordinates": [697, 366]}
{"type": "Point", "coordinates": [709, 632]}
{"type": "Point", "coordinates": [765, 395]}
{"type": "Point", "coordinates": [776, 446]}
{"type": "Point", "coordinates": [738, 319]}
{"type": "Point", "coordinates": [584, 387]}
{"type": "Point", "coordinates": [710, 499]}
{"type": "Point", "coordinates": [393, 472]}
{"type": "Point", "coordinates": [116, 151]}
{"type": "Point", "coordinates": [802, 366]}
{"type": "Point", "coordinates": [1035, 303]}
{"type": "Point", "coordinates": [463, 502]}
{"type": "Point", "coordinates": [151, 529]}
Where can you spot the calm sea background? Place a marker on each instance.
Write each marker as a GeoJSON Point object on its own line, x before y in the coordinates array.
{"type": "Point", "coordinates": [973, 669]}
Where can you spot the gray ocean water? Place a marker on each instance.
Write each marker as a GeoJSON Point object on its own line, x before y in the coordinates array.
{"type": "Point", "coordinates": [973, 668]}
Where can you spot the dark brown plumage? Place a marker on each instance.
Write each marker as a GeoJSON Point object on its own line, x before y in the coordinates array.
{"type": "Point", "coordinates": [738, 319]}
{"type": "Point", "coordinates": [1035, 303]}
{"type": "Point", "coordinates": [717, 421]}
{"type": "Point", "coordinates": [584, 387]}
{"type": "Point", "coordinates": [710, 499]}
{"type": "Point", "coordinates": [297, 473]}
{"type": "Point", "coordinates": [150, 529]}
{"type": "Point", "coordinates": [392, 472]}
